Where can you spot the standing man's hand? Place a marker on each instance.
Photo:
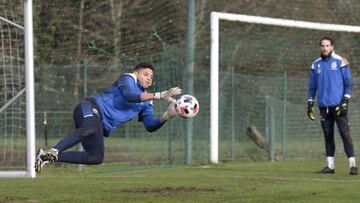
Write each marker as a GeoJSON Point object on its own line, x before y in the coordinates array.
{"type": "Point", "coordinates": [310, 110]}
{"type": "Point", "coordinates": [341, 109]}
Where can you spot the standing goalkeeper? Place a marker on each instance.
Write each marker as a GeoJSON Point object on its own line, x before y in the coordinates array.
{"type": "Point", "coordinates": [100, 114]}
{"type": "Point", "coordinates": [330, 76]}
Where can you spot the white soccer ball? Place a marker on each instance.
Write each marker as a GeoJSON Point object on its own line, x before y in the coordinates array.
{"type": "Point", "coordinates": [187, 106]}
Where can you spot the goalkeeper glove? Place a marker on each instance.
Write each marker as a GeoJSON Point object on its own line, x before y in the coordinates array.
{"type": "Point", "coordinates": [310, 110]}
{"type": "Point", "coordinates": [167, 95]}
{"type": "Point", "coordinates": [170, 112]}
{"type": "Point", "coordinates": [341, 109]}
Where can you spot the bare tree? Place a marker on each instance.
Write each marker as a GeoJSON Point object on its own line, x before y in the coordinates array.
{"type": "Point", "coordinates": [116, 13]}
{"type": "Point", "coordinates": [79, 51]}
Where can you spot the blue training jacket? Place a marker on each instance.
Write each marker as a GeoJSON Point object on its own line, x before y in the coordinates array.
{"type": "Point", "coordinates": [331, 78]}
{"type": "Point", "coordinates": [121, 103]}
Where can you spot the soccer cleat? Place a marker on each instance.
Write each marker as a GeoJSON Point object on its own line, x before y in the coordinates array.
{"type": "Point", "coordinates": [50, 155]}
{"type": "Point", "coordinates": [326, 170]}
{"type": "Point", "coordinates": [39, 162]}
{"type": "Point", "coordinates": [44, 157]}
{"type": "Point", "coordinates": [353, 171]}
{"type": "Point", "coordinates": [40, 165]}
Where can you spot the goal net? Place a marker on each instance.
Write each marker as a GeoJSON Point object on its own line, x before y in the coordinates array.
{"type": "Point", "coordinates": [259, 77]}
{"type": "Point", "coordinates": [17, 137]}
{"type": "Point", "coordinates": [84, 46]}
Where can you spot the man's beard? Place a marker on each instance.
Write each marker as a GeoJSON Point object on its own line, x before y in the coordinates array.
{"type": "Point", "coordinates": [325, 56]}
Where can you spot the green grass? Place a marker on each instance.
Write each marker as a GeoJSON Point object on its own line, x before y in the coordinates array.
{"type": "Point", "coordinates": [156, 149]}
{"type": "Point", "coordinates": [285, 181]}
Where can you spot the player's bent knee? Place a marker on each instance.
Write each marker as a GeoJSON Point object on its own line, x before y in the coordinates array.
{"type": "Point", "coordinates": [96, 159]}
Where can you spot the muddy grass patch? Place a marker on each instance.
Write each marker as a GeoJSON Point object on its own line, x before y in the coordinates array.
{"type": "Point", "coordinates": [167, 190]}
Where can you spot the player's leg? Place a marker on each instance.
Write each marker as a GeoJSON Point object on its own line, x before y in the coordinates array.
{"type": "Point", "coordinates": [44, 157]}
{"type": "Point", "coordinates": [93, 149]}
{"type": "Point", "coordinates": [75, 137]}
{"type": "Point", "coordinates": [327, 124]}
{"type": "Point", "coordinates": [87, 124]}
{"type": "Point", "coordinates": [344, 131]}
{"type": "Point", "coordinates": [89, 132]}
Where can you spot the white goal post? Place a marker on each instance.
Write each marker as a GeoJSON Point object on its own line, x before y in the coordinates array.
{"type": "Point", "coordinates": [214, 59]}
{"type": "Point", "coordinates": [29, 90]}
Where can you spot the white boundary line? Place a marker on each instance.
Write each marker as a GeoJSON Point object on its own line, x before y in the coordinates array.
{"type": "Point", "coordinates": [14, 174]}
{"type": "Point", "coordinates": [327, 178]}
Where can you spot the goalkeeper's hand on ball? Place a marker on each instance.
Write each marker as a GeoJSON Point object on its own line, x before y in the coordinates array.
{"type": "Point", "coordinates": [310, 110]}
{"type": "Point", "coordinates": [170, 112]}
{"type": "Point", "coordinates": [167, 95]}
{"type": "Point", "coordinates": [341, 109]}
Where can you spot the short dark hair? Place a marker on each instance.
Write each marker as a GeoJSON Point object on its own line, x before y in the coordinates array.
{"type": "Point", "coordinates": [144, 65]}
{"type": "Point", "coordinates": [327, 38]}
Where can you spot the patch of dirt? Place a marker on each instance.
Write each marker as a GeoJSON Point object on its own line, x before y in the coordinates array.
{"type": "Point", "coordinates": [6, 199]}
{"type": "Point", "coordinates": [168, 190]}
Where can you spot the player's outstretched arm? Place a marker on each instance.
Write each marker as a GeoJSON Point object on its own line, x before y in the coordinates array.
{"type": "Point", "coordinates": [151, 123]}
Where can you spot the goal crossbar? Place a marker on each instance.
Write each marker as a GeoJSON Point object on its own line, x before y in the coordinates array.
{"type": "Point", "coordinates": [285, 22]}
{"type": "Point", "coordinates": [215, 17]}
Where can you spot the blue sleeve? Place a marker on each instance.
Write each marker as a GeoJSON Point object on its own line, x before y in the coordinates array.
{"type": "Point", "coordinates": [147, 117]}
{"type": "Point", "coordinates": [151, 124]}
{"type": "Point", "coordinates": [312, 85]}
{"type": "Point", "coordinates": [348, 83]}
{"type": "Point", "coordinates": [129, 90]}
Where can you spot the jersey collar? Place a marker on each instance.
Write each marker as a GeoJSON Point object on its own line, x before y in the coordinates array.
{"type": "Point", "coordinates": [136, 80]}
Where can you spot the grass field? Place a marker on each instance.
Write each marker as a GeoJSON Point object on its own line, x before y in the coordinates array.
{"type": "Point", "coordinates": [285, 181]}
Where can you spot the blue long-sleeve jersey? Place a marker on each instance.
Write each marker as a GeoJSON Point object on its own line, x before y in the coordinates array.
{"type": "Point", "coordinates": [121, 103]}
{"type": "Point", "coordinates": [331, 79]}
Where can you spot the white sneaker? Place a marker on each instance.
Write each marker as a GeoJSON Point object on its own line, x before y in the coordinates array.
{"type": "Point", "coordinates": [39, 162]}
{"type": "Point", "coordinates": [45, 157]}
{"type": "Point", "coordinates": [50, 155]}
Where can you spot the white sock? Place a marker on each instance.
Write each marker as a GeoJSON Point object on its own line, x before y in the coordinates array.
{"type": "Point", "coordinates": [330, 162]}
{"type": "Point", "coordinates": [352, 162]}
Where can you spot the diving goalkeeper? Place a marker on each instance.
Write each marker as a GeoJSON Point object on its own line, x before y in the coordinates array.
{"type": "Point", "coordinates": [98, 115]}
